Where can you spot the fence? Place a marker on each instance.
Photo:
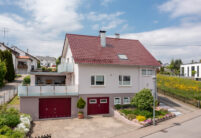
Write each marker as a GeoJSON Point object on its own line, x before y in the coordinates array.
{"type": "Point", "coordinates": [193, 102]}
{"type": "Point", "coordinates": [7, 95]}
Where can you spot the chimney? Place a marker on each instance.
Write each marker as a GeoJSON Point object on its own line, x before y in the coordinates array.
{"type": "Point", "coordinates": [117, 35]}
{"type": "Point", "coordinates": [27, 50]}
{"type": "Point", "coordinates": [102, 38]}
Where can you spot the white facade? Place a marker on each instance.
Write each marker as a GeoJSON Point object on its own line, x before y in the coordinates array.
{"type": "Point", "coordinates": [82, 77]}
{"type": "Point", "coordinates": [186, 70]}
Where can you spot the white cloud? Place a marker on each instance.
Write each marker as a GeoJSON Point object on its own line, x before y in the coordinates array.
{"type": "Point", "coordinates": [182, 7]}
{"type": "Point", "coordinates": [106, 2]}
{"type": "Point", "coordinates": [105, 21]}
{"type": "Point", "coordinates": [47, 20]}
{"type": "Point", "coordinates": [172, 42]}
{"type": "Point", "coordinates": [57, 16]}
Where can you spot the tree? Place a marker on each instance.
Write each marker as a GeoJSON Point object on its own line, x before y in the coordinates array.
{"type": "Point", "coordinates": [175, 66]}
{"type": "Point", "coordinates": [7, 57]}
{"type": "Point", "coordinates": [81, 103]}
{"type": "Point", "coordinates": [58, 61]}
{"type": "Point", "coordinates": [143, 100]}
{"type": "Point", "coordinates": [38, 65]}
{"type": "Point", "coordinates": [3, 71]}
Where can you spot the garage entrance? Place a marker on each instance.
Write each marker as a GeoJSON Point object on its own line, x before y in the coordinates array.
{"type": "Point", "coordinates": [54, 107]}
{"type": "Point", "coordinates": [98, 105]}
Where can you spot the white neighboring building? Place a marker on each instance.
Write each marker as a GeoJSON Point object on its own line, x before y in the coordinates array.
{"type": "Point", "coordinates": [186, 70]}
{"type": "Point", "coordinates": [46, 61]}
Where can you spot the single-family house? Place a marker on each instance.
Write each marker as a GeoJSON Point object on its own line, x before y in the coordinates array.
{"type": "Point", "coordinates": [191, 70]}
{"type": "Point", "coordinates": [47, 61]}
{"type": "Point", "coordinates": [103, 71]}
{"type": "Point", "coordinates": [25, 62]}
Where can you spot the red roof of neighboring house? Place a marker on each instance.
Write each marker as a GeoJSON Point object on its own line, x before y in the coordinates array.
{"type": "Point", "coordinates": [87, 49]}
{"type": "Point", "coordinates": [23, 57]}
{"type": "Point", "coordinates": [54, 66]}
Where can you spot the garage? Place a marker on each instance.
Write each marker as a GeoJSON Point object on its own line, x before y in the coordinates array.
{"type": "Point", "coordinates": [98, 105]}
{"type": "Point", "coordinates": [54, 107]}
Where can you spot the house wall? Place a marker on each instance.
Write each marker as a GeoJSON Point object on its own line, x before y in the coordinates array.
{"type": "Point", "coordinates": [190, 70]}
{"type": "Point", "coordinates": [111, 74]}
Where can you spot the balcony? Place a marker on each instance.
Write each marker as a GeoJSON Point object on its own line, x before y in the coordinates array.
{"type": "Point", "coordinates": [65, 67]}
{"type": "Point", "coordinates": [48, 90]}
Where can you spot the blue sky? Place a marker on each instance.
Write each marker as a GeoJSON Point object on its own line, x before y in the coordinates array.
{"type": "Point", "coordinates": [168, 28]}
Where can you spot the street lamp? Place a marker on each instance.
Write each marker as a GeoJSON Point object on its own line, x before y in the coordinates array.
{"type": "Point", "coordinates": [154, 95]}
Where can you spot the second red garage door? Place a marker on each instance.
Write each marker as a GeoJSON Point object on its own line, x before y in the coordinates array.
{"type": "Point", "coordinates": [98, 105]}
{"type": "Point", "coordinates": [54, 107]}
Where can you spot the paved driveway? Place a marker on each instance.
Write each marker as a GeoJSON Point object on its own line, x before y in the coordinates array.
{"type": "Point", "coordinates": [95, 127]}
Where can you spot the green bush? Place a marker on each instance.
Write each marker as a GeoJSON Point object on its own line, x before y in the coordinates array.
{"type": "Point", "coordinates": [81, 103]}
{"type": "Point", "coordinates": [123, 106]}
{"type": "Point", "coordinates": [26, 80]}
{"type": "Point", "coordinates": [9, 117]}
{"type": "Point", "coordinates": [3, 71]}
{"type": "Point", "coordinates": [43, 69]}
{"type": "Point", "coordinates": [143, 100]}
{"type": "Point", "coordinates": [5, 130]}
{"type": "Point", "coordinates": [131, 116]}
{"type": "Point", "coordinates": [7, 57]}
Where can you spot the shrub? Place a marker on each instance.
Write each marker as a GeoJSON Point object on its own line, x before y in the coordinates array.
{"type": "Point", "coordinates": [26, 80]}
{"type": "Point", "coordinates": [5, 130]}
{"type": "Point", "coordinates": [81, 103]}
{"type": "Point", "coordinates": [7, 57]}
{"type": "Point", "coordinates": [143, 100]}
{"type": "Point", "coordinates": [3, 71]}
{"type": "Point", "coordinates": [140, 118]}
{"type": "Point", "coordinates": [131, 116]}
{"type": "Point", "coordinates": [123, 106]}
{"type": "Point", "coordinates": [17, 134]}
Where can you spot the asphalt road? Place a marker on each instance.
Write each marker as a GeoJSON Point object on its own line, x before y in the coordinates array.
{"type": "Point", "coordinates": [188, 129]}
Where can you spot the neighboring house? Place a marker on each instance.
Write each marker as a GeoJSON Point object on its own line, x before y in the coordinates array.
{"type": "Point", "coordinates": [46, 61]}
{"type": "Point", "coordinates": [186, 70]}
{"type": "Point", "coordinates": [15, 54]}
{"type": "Point", "coordinates": [103, 71]}
{"type": "Point", "coordinates": [25, 62]}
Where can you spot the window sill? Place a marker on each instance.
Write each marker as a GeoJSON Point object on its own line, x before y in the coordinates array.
{"type": "Point", "coordinates": [125, 85]}
{"type": "Point", "coordinates": [97, 86]}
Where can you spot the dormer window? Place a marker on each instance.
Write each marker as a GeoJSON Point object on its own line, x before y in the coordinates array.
{"type": "Point", "coordinates": [122, 57]}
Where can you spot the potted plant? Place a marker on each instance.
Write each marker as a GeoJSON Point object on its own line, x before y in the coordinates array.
{"type": "Point", "coordinates": [80, 105]}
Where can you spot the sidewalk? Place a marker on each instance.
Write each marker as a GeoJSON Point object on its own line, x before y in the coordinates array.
{"type": "Point", "coordinates": [189, 113]}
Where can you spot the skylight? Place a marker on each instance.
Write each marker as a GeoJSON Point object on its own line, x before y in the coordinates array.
{"type": "Point", "coordinates": [122, 56]}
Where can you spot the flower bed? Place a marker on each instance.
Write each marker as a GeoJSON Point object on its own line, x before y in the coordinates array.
{"type": "Point", "coordinates": [11, 122]}
{"type": "Point", "coordinates": [145, 117]}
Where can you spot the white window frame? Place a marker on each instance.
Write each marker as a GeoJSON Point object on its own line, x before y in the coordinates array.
{"type": "Point", "coordinates": [146, 72]}
{"type": "Point", "coordinates": [92, 102]}
{"type": "Point", "coordinates": [115, 102]}
{"type": "Point", "coordinates": [123, 80]}
{"type": "Point", "coordinates": [129, 99]}
{"type": "Point", "coordinates": [103, 99]}
{"type": "Point", "coordinates": [95, 80]}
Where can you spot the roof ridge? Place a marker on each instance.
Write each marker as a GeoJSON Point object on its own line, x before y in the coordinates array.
{"type": "Point", "coordinates": [106, 37]}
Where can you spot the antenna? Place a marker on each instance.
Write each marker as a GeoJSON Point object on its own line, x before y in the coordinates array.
{"type": "Point", "coordinates": [5, 30]}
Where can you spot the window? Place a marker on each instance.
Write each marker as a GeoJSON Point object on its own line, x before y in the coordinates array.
{"type": "Point", "coordinates": [97, 80]}
{"type": "Point", "coordinates": [188, 71]}
{"type": "Point", "coordinates": [103, 100]}
{"type": "Point", "coordinates": [148, 72]}
{"type": "Point", "coordinates": [197, 71]}
{"type": "Point", "coordinates": [117, 100]}
{"type": "Point", "coordinates": [92, 101]}
{"type": "Point", "coordinates": [124, 80]}
{"type": "Point", "coordinates": [123, 57]}
{"type": "Point", "coordinates": [126, 100]}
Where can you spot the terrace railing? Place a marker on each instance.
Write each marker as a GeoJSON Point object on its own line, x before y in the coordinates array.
{"type": "Point", "coordinates": [48, 90]}
{"type": "Point", "coordinates": [65, 67]}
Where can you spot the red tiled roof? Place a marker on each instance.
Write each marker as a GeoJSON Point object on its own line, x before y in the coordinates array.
{"type": "Point", "coordinates": [23, 57]}
{"type": "Point", "coordinates": [87, 49]}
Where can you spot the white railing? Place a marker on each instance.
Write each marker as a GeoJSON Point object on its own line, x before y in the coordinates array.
{"type": "Point", "coordinates": [48, 90]}
{"type": "Point", "coordinates": [65, 67]}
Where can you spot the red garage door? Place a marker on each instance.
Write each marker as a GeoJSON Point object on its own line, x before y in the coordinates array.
{"type": "Point", "coordinates": [98, 105]}
{"type": "Point", "coordinates": [54, 107]}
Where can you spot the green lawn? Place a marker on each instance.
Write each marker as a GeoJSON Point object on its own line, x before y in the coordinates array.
{"type": "Point", "coordinates": [15, 101]}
